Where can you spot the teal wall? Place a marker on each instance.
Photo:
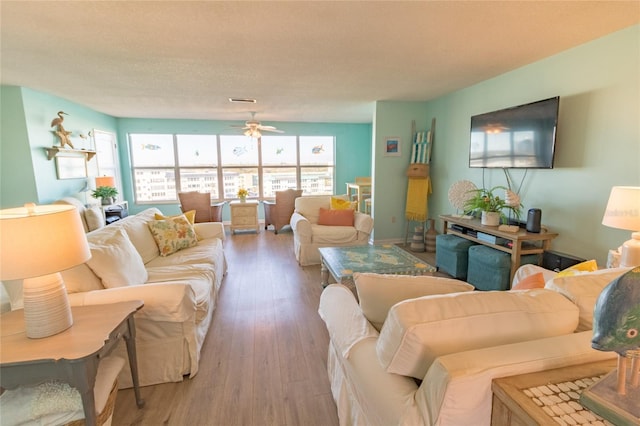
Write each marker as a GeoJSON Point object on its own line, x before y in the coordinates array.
{"type": "Point", "coordinates": [352, 151]}
{"type": "Point", "coordinates": [27, 175]}
{"type": "Point", "coordinates": [393, 119]}
{"type": "Point", "coordinates": [17, 180]}
{"type": "Point", "coordinates": [598, 144]}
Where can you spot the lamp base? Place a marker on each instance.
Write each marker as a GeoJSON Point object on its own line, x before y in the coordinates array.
{"type": "Point", "coordinates": [630, 251]}
{"type": "Point", "coordinates": [46, 306]}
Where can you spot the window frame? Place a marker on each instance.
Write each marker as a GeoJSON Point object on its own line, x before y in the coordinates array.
{"type": "Point", "coordinates": [220, 167]}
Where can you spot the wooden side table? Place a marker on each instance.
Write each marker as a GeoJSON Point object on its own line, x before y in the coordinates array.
{"type": "Point", "coordinates": [555, 394]}
{"type": "Point", "coordinates": [114, 212]}
{"type": "Point", "coordinates": [244, 215]}
{"type": "Point", "coordinates": [71, 356]}
{"type": "Point", "coordinates": [520, 243]}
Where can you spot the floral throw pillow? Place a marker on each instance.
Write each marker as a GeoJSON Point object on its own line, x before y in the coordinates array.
{"type": "Point", "coordinates": [190, 215]}
{"type": "Point", "coordinates": [173, 234]}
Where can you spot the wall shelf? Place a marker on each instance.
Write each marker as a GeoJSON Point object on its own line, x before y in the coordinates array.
{"type": "Point", "coordinates": [53, 152]}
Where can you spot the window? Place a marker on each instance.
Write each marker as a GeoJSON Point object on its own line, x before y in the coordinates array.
{"type": "Point", "coordinates": [165, 164]}
{"type": "Point", "coordinates": [106, 159]}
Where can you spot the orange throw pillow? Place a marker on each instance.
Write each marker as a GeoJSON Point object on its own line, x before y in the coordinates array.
{"type": "Point", "coordinates": [335, 217]}
{"type": "Point", "coordinates": [532, 281]}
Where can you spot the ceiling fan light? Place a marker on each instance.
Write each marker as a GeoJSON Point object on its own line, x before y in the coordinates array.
{"type": "Point", "coordinates": [253, 133]}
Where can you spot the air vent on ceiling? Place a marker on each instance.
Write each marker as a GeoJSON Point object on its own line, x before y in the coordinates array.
{"type": "Point", "coordinates": [242, 100]}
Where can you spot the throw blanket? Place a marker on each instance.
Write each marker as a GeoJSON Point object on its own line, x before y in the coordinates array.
{"type": "Point", "coordinates": [418, 190]}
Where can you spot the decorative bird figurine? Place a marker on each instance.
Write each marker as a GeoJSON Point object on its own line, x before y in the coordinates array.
{"type": "Point", "coordinates": [57, 121]}
{"type": "Point", "coordinates": [60, 131]}
{"type": "Point", "coordinates": [616, 323]}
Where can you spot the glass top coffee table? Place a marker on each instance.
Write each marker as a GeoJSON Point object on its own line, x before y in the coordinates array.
{"type": "Point", "coordinates": [343, 262]}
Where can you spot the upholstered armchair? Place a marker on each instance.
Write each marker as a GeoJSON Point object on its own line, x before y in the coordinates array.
{"type": "Point", "coordinates": [278, 213]}
{"type": "Point", "coordinates": [310, 233]}
{"type": "Point", "coordinates": [201, 203]}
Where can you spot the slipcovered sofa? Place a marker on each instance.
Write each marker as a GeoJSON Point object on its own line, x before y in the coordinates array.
{"type": "Point", "coordinates": [179, 290]}
{"type": "Point", "coordinates": [432, 359]}
{"type": "Point", "coordinates": [309, 235]}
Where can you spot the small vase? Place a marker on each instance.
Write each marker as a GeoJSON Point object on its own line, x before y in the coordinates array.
{"type": "Point", "coordinates": [243, 199]}
{"type": "Point", "coordinates": [490, 219]}
{"type": "Point", "coordinates": [430, 237]}
{"type": "Point", "coordinates": [417, 243]}
{"type": "Point", "coordinates": [107, 201]}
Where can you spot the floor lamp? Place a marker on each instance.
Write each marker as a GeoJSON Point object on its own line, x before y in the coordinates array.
{"type": "Point", "coordinates": [36, 243]}
{"type": "Point", "coordinates": [623, 212]}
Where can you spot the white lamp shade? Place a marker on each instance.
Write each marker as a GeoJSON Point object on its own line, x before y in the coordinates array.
{"type": "Point", "coordinates": [623, 208]}
{"type": "Point", "coordinates": [623, 212]}
{"type": "Point", "coordinates": [36, 243]}
{"type": "Point", "coordinates": [40, 240]}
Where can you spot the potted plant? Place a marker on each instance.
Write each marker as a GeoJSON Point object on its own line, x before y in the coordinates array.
{"type": "Point", "coordinates": [491, 205]}
{"type": "Point", "coordinates": [242, 194]}
{"type": "Point", "coordinates": [107, 193]}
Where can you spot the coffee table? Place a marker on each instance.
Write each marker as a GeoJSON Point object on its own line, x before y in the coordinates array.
{"type": "Point", "coordinates": [343, 262]}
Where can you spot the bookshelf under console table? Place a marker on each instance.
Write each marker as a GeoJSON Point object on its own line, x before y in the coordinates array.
{"type": "Point", "coordinates": [515, 243]}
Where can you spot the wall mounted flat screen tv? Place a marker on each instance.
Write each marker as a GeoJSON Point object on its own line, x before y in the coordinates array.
{"type": "Point", "coordinates": [523, 136]}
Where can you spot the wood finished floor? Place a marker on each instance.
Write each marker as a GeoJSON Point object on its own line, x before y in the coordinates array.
{"type": "Point", "coordinates": [264, 360]}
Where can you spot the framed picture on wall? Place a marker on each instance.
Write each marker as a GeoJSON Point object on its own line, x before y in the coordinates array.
{"type": "Point", "coordinates": [392, 146]}
{"type": "Point", "coordinates": [71, 166]}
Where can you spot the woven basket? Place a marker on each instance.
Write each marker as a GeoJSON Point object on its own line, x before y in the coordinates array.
{"type": "Point", "coordinates": [107, 411]}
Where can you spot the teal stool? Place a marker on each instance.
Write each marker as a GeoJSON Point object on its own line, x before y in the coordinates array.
{"type": "Point", "coordinates": [451, 255]}
{"type": "Point", "coordinates": [490, 269]}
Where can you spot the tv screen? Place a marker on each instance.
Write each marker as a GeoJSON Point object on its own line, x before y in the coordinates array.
{"type": "Point", "coordinates": [523, 136]}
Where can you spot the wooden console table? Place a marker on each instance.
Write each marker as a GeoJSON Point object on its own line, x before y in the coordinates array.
{"type": "Point", "coordinates": [522, 242]}
{"type": "Point", "coordinates": [556, 394]}
{"type": "Point", "coordinates": [71, 356]}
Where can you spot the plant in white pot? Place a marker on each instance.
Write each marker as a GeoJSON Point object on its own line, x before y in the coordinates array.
{"type": "Point", "coordinates": [492, 206]}
{"type": "Point", "coordinates": [107, 193]}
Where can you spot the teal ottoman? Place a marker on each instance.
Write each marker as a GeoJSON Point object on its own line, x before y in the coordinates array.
{"type": "Point", "coordinates": [451, 255]}
{"type": "Point", "coordinates": [490, 269]}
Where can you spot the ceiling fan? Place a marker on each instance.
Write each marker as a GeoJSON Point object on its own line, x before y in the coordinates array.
{"type": "Point", "coordinates": [254, 129]}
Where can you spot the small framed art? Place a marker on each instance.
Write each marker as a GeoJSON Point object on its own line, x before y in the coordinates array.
{"type": "Point", "coordinates": [392, 146]}
{"type": "Point", "coordinates": [71, 166]}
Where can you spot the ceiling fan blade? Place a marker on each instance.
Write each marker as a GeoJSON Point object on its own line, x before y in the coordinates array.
{"type": "Point", "coordinates": [274, 130]}
{"type": "Point", "coordinates": [238, 126]}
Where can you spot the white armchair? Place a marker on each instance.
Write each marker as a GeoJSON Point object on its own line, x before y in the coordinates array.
{"type": "Point", "coordinates": [309, 236]}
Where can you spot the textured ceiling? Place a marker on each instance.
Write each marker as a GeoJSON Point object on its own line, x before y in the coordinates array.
{"type": "Point", "coordinates": [315, 61]}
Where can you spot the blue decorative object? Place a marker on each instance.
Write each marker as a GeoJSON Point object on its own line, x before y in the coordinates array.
{"type": "Point", "coordinates": [616, 316]}
{"type": "Point", "coordinates": [616, 327]}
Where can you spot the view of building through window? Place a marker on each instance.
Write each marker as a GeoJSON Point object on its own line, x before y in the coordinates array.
{"type": "Point", "coordinates": [165, 164]}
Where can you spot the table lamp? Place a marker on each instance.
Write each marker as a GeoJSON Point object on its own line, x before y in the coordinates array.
{"type": "Point", "coordinates": [623, 212]}
{"type": "Point", "coordinates": [105, 181]}
{"type": "Point", "coordinates": [36, 243]}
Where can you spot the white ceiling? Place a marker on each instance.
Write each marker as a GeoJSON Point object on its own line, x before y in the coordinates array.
{"type": "Point", "coordinates": [310, 61]}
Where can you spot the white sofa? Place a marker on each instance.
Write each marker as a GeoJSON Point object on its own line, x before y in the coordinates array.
{"type": "Point", "coordinates": [90, 216]}
{"type": "Point", "coordinates": [433, 359]}
{"type": "Point", "coordinates": [309, 236]}
{"type": "Point", "coordinates": [179, 292]}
